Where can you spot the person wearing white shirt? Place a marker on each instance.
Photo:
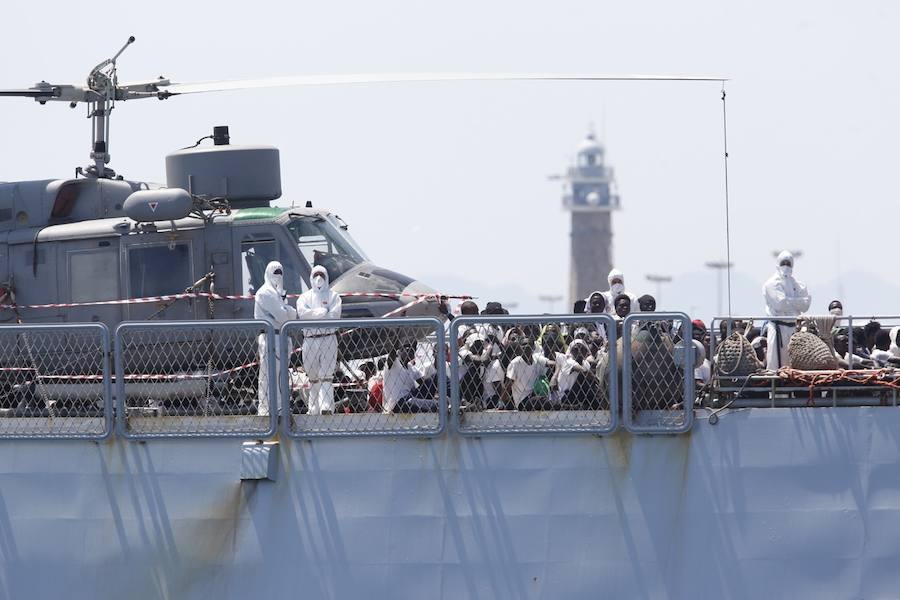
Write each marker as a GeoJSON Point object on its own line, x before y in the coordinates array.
{"type": "Point", "coordinates": [522, 373]}
{"type": "Point", "coordinates": [881, 353]}
{"type": "Point", "coordinates": [400, 379]}
{"type": "Point", "coordinates": [575, 380]}
{"type": "Point", "coordinates": [402, 384]}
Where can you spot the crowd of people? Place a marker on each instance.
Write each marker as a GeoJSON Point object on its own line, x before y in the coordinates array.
{"type": "Point", "coordinates": [540, 365]}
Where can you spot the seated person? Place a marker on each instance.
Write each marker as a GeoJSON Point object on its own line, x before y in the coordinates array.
{"type": "Point", "coordinates": [477, 366]}
{"type": "Point", "coordinates": [647, 303]}
{"type": "Point", "coordinates": [842, 352]}
{"type": "Point", "coordinates": [871, 329]}
{"type": "Point", "coordinates": [522, 374]}
{"type": "Point", "coordinates": [401, 384]}
{"type": "Point", "coordinates": [430, 387]}
{"type": "Point", "coordinates": [622, 307]}
{"type": "Point", "coordinates": [596, 303]}
{"type": "Point", "coordinates": [881, 354]}
{"type": "Point", "coordinates": [576, 384]}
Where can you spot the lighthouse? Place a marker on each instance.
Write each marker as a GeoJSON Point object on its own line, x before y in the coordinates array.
{"type": "Point", "coordinates": [589, 193]}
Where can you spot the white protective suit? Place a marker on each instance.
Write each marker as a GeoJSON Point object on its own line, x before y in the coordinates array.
{"type": "Point", "coordinates": [320, 346]}
{"type": "Point", "coordinates": [615, 290]}
{"type": "Point", "coordinates": [785, 297]}
{"type": "Point", "coordinates": [270, 305]}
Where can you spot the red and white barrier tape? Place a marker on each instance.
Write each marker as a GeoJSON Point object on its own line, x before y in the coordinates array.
{"type": "Point", "coordinates": [197, 376]}
{"type": "Point", "coordinates": [173, 297]}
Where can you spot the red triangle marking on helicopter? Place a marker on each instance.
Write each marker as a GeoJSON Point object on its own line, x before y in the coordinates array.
{"type": "Point", "coordinates": [153, 206]}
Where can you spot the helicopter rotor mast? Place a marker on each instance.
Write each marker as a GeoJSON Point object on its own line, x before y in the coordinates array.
{"type": "Point", "coordinates": [103, 80]}
{"type": "Point", "coordinates": [100, 93]}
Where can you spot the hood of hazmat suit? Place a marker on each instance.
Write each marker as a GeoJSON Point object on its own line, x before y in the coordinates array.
{"type": "Point", "coordinates": [319, 302]}
{"type": "Point", "coordinates": [615, 290]}
{"type": "Point", "coordinates": [270, 304]}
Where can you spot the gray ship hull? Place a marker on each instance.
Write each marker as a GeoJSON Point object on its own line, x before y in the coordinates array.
{"type": "Point", "coordinates": [767, 503]}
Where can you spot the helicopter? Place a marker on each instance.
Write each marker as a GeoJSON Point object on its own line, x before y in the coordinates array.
{"type": "Point", "coordinates": [68, 247]}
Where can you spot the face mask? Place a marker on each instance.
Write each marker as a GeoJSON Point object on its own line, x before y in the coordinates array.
{"type": "Point", "coordinates": [617, 288]}
{"type": "Point", "coordinates": [318, 282]}
{"type": "Point", "coordinates": [786, 271]}
{"type": "Point", "coordinates": [837, 312]}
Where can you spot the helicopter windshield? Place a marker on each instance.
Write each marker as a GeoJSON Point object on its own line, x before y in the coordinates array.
{"type": "Point", "coordinates": [322, 241]}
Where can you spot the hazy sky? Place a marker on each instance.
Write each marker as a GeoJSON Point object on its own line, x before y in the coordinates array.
{"type": "Point", "coordinates": [448, 181]}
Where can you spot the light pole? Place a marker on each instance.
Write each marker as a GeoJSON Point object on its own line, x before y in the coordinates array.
{"type": "Point", "coordinates": [659, 280]}
{"type": "Point", "coordinates": [551, 300]}
{"type": "Point", "coordinates": [719, 265]}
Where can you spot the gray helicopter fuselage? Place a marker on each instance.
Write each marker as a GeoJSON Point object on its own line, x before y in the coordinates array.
{"type": "Point", "coordinates": [70, 242]}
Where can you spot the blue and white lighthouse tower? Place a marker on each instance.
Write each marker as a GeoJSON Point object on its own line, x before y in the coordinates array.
{"type": "Point", "coordinates": [589, 193]}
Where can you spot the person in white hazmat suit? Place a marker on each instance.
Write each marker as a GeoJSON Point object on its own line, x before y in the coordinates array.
{"type": "Point", "coordinates": [785, 297]}
{"type": "Point", "coordinates": [320, 346]}
{"type": "Point", "coordinates": [616, 280]}
{"type": "Point", "coordinates": [271, 305]}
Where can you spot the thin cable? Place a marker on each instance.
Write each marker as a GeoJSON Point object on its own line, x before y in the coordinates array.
{"type": "Point", "coordinates": [727, 216]}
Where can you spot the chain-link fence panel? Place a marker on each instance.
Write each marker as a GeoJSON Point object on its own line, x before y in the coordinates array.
{"type": "Point", "coordinates": [658, 373]}
{"type": "Point", "coordinates": [55, 381]}
{"type": "Point", "coordinates": [553, 373]}
{"type": "Point", "coordinates": [196, 379]}
{"type": "Point", "coordinates": [357, 377]}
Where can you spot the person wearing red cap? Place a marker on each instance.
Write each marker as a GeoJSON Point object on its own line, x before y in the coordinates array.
{"type": "Point", "coordinates": [699, 327]}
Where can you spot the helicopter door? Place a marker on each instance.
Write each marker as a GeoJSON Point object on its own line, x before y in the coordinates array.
{"type": "Point", "coordinates": [157, 266]}
{"type": "Point", "coordinates": [92, 276]}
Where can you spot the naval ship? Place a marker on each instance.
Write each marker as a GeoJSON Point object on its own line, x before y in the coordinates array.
{"type": "Point", "coordinates": [137, 461]}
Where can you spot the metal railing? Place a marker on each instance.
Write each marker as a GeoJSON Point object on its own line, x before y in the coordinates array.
{"type": "Point", "coordinates": [855, 386]}
{"type": "Point", "coordinates": [657, 373]}
{"type": "Point", "coordinates": [391, 377]}
{"type": "Point", "coordinates": [358, 377]}
{"type": "Point", "coordinates": [55, 381]}
{"type": "Point", "coordinates": [538, 374]}
{"type": "Point", "coordinates": [196, 379]}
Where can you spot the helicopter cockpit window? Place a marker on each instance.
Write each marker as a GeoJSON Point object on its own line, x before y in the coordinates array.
{"type": "Point", "coordinates": [255, 255]}
{"type": "Point", "coordinates": [322, 242]}
{"type": "Point", "coordinates": [159, 270]}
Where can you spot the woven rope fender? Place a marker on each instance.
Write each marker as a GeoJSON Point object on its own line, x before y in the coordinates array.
{"type": "Point", "coordinates": [808, 352]}
{"type": "Point", "coordinates": [735, 357]}
{"type": "Point", "coordinates": [656, 381]}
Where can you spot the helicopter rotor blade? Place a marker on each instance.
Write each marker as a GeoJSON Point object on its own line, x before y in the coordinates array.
{"type": "Point", "coordinates": [319, 80]}
{"type": "Point", "coordinates": [51, 93]}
